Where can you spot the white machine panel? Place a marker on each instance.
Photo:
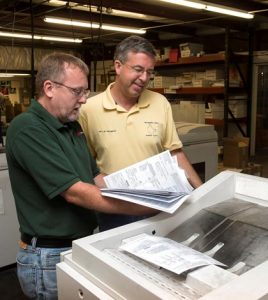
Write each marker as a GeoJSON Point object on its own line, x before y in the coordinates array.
{"type": "Point", "coordinates": [229, 210]}
{"type": "Point", "coordinates": [200, 143]}
{"type": "Point", "coordinates": [9, 227]}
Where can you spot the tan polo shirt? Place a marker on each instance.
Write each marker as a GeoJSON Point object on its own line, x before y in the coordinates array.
{"type": "Point", "coordinates": [118, 138]}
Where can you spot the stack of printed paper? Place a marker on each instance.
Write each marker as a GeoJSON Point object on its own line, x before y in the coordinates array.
{"type": "Point", "coordinates": [156, 182]}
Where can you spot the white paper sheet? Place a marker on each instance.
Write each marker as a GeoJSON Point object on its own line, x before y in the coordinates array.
{"type": "Point", "coordinates": [159, 172]}
{"type": "Point", "coordinates": [166, 253]}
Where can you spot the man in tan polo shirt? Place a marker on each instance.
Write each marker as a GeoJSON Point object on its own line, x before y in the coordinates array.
{"type": "Point", "coordinates": [128, 123]}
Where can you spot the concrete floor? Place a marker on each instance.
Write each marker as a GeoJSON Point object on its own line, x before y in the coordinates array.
{"type": "Point", "coordinates": [9, 285]}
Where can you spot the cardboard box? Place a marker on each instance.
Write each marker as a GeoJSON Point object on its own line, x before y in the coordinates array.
{"type": "Point", "coordinates": [214, 74]}
{"type": "Point", "coordinates": [235, 152]}
{"type": "Point", "coordinates": [190, 49]}
{"type": "Point", "coordinates": [251, 168]}
{"type": "Point", "coordinates": [201, 83]}
{"type": "Point", "coordinates": [238, 108]}
{"type": "Point", "coordinates": [163, 81]}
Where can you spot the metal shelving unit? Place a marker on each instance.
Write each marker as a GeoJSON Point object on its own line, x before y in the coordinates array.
{"type": "Point", "coordinates": [223, 60]}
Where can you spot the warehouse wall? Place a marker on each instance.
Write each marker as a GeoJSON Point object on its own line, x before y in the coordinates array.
{"type": "Point", "coordinates": [19, 58]}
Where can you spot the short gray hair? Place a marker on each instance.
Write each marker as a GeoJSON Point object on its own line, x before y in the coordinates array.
{"type": "Point", "coordinates": [53, 66]}
{"type": "Point", "coordinates": [136, 44]}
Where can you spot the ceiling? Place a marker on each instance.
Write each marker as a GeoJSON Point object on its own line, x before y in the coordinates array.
{"type": "Point", "coordinates": [162, 22]}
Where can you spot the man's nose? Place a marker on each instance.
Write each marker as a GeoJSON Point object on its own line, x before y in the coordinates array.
{"type": "Point", "coordinates": [83, 99]}
{"type": "Point", "coordinates": [144, 76]}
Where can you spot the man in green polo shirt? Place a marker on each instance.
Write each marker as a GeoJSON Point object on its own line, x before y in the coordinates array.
{"type": "Point", "coordinates": [54, 179]}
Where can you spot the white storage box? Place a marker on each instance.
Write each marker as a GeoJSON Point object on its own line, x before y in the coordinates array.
{"type": "Point", "coordinates": [238, 108]}
{"type": "Point", "coordinates": [190, 49]}
{"type": "Point", "coordinates": [201, 83]}
{"type": "Point", "coordinates": [164, 81]}
{"type": "Point", "coordinates": [189, 111]}
{"type": "Point", "coordinates": [200, 75]}
{"type": "Point", "coordinates": [216, 110]}
{"type": "Point", "coordinates": [214, 74]}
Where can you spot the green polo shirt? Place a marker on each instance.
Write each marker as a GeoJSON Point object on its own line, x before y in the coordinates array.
{"type": "Point", "coordinates": [46, 157]}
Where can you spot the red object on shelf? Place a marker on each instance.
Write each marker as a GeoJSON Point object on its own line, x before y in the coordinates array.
{"type": "Point", "coordinates": [173, 55]}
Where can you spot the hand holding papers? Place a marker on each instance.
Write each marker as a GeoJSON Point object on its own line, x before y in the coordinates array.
{"type": "Point", "coordinates": [156, 182]}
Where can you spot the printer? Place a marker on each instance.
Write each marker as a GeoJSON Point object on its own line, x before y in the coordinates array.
{"type": "Point", "coordinates": [200, 144]}
{"type": "Point", "coordinates": [225, 218]}
{"type": "Point", "coordinates": [9, 226]}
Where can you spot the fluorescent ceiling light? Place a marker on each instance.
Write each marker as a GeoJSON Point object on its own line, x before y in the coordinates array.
{"type": "Point", "coordinates": [229, 11]}
{"type": "Point", "coordinates": [57, 39]}
{"type": "Point", "coordinates": [39, 37]}
{"type": "Point", "coordinates": [93, 25]}
{"type": "Point", "coordinates": [71, 22]}
{"type": "Point", "coordinates": [217, 9]}
{"type": "Point", "coordinates": [103, 10]}
{"type": "Point", "coordinates": [15, 35]}
{"type": "Point", "coordinates": [191, 4]}
{"type": "Point", "coordinates": [13, 74]}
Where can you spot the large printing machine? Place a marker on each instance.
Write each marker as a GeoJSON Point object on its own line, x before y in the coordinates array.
{"type": "Point", "coordinates": [225, 218]}
{"type": "Point", "coordinates": [200, 143]}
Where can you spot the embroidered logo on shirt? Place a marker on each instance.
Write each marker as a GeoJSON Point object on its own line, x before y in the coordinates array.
{"type": "Point", "coordinates": [151, 128]}
{"type": "Point", "coordinates": [108, 131]}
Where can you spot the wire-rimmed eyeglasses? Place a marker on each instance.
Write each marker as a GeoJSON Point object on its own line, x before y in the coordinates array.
{"type": "Point", "coordinates": [140, 70]}
{"type": "Point", "coordinates": [77, 92]}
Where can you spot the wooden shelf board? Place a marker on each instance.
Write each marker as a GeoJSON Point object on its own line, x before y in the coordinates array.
{"type": "Point", "coordinates": [216, 122]}
{"type": "Point", "coordinates": [220, 122]}
{"type": "Point", "coordinates": [215, 57]}
{"type": "Point", "coordinates": [191, 90]}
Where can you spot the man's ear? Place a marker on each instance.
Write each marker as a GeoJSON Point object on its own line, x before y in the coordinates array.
{"type": "Point", "coordinates": [48, 88]}
{"type": "Point", "coordinates": [117, 66]}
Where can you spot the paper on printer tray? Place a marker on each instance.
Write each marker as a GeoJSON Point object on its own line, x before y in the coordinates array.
{"type": "Point", "coordinates": [166, 253]}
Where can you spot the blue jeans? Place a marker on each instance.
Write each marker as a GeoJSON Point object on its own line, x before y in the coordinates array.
{"type": "Point", "coordinates": [36, 270]}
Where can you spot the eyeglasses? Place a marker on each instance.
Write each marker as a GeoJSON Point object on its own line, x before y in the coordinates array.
{"type": "Point", "coordinates": [78, 92]}
{"type": "Point", "coordinates": [140, 70]}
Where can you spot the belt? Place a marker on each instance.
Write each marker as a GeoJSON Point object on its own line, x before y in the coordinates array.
{"type": "Point", "coordinates": [46, 242]}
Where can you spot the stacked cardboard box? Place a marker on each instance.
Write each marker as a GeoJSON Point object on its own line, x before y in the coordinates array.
{"type": "Point", "coordinates": [237, 107]}
{"type": "Point", "coordinates": [185, 79]}
{"type": "Point", "coordinates": [190, 49]}
{"type": "Point", "coordinates": [164, 81]}
{"type": "Point", "coordinates": [214, 74]}
{"type": "Point", "coordinates": [235, 152]}
{"type": "Point", "coordinates": [201, 83]}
